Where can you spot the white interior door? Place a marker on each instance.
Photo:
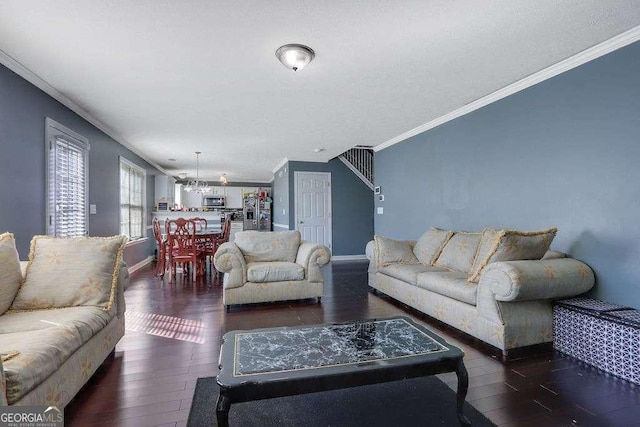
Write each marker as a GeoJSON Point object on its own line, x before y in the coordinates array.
{"type": "Point", "coordinates": [313, 206]}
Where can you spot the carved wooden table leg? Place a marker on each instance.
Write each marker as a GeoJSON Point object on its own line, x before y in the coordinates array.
{"type": "Point", "coordinates": [222, 410]}
{"type": "Point", "coordinates": [463, 385]}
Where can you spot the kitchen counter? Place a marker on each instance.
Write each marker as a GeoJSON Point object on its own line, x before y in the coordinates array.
{"type": "Point", "coordinates": [236, 225]}
{"type": "Point", "coordinates": [213, 218]}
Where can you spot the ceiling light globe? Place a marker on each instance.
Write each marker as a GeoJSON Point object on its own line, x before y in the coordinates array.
{"type": "Point", "coordinates": [295, 56]}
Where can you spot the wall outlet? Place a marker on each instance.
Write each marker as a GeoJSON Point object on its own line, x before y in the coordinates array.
{"type": "Point", "coordinates": [380, 210]}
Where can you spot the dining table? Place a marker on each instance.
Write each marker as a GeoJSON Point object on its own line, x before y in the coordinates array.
{"type": "Point", "coordinates": [203, 233]}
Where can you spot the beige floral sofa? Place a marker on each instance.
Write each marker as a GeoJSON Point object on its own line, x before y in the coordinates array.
{"type": "Point", "coordinates": [270, 266]}
{"type": "Point", "coordinates": [61, 314]}
{"type": "Point", "coordinates": [497, 285]}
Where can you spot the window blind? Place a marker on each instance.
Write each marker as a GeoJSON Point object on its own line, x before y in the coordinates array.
{"type": "Point", "coordinates": [132, 182]}
{"type": "Point", "coordinates": [67, 187]}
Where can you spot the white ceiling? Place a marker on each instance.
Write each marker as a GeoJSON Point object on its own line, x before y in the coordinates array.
{"type": "Point", "coordinates": [170, 77]}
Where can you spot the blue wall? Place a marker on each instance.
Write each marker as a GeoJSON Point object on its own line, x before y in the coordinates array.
{"type": "Point", "coordinates": [23, 109]}
{"type": "Point", "coordinates": [563, 153]}
{"type": "Point", "coordinates": [351, 203]}
{"type": "Point", "coordinates": [280, 194]}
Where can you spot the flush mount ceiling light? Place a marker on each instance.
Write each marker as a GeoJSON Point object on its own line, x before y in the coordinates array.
{"type": "Point", "coordinates": [182, 175]}
{"type": "Point", "coordinates": [295, 56]}
{"type": "Point", "coordinates": [197, 185]}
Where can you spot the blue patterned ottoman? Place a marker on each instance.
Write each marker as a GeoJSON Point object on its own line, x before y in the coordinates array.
{"type": "Point", "coordinates": [601, 334]}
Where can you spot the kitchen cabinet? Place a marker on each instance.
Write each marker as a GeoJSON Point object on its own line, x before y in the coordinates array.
{"type": "Point", "coordinates": [233, 197]}
{"type": "Point", "coordinates": [246, 191]}
{"type": "Point", "coordinates": [218, 191]}
{"type": "Point", "coordinates": [191, 199]}
{"type": "Point", "coordinates": [165, 189]}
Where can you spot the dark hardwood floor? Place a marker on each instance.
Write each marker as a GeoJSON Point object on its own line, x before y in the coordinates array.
{"type": "Point", "coordinates": [174, 332]}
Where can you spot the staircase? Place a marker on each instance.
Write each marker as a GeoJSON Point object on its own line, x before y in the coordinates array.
{"type": "Point", "coordinates": [360, 160]}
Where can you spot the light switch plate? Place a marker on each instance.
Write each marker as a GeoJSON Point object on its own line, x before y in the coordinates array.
{"type": "Point", "coordinates": [380, 210]}
{"type": "Point", "coordinates": [92, 209]}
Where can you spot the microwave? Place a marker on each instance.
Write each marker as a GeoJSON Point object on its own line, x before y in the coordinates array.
{"type": "Point", "coordinates": [213, 202]}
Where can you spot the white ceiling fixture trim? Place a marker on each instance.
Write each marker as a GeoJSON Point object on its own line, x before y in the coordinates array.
{"type": "Point", "coordinates": [41, 84]}
{"type": "Point", "coordinates": [601, 49]}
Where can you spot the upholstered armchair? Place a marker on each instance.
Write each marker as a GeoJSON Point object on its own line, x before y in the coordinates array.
{"type": "Point", "coordinates": [270, 266]}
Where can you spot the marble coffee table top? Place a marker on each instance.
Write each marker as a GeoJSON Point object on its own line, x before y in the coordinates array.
{"type": "Point", "coordinates": [321, 346]}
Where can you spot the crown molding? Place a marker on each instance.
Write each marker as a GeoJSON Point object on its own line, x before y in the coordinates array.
{"type": "Point", "coordinates": [281, 164]}
{"type": "Point", "coordinates": [574, 61]}
{"type": "Point", "coordinates": [34, 79]}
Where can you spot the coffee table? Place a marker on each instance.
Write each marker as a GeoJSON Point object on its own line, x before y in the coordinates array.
{"type": "Point", "coordinates": [275, 362]}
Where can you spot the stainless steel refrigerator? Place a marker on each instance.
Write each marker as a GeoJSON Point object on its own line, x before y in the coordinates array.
{"type": "Point", "coordinates": [256, 213]}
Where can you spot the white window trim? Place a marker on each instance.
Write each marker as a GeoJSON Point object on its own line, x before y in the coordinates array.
{"type": "Point", "coordinates": [51, 130]}
{"type": "Point", "coordinates": [144, 199]}
{"type": "Point", "coordinates": [136, 242]}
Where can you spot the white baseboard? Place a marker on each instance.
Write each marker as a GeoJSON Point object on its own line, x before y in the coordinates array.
{"type": "Point", "coordinates": [148, 260]}
{"type": "Point", "coordinates": [348, 257]}
{"type": "Point", "coordinates": [280, 225]}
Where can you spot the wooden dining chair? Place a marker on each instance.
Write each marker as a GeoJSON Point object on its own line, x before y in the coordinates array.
{"type": "Point", "coordinates": [226, 232]}
{"type": "Point", "coordinates": [221, 238]}
{"type": "Point", "coordinates": [161, 244]}
{"type": "Point", "coordinates": [183, 247]}
{"type": "Point", "coordinates": [201, 223]}
{"type": "Point", "coordinates": [213, 241]}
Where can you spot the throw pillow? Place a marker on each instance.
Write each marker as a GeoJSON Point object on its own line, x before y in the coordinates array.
{"type": "Point", "coordinates": [10, 273]}
{"type": "Point", "coordinates": [510, 245]}
{"type": "Point", "coordinates": [257, 246]}
{"type": "Point", "coordinates": [70, 272]}
{"type": "Point", "coordinates": [429, 246]}
{"type": "Point", "coordinates": [459, 252]}
{"type": "Point", "coordinates": [393, 251]}
{"type": "Point", "coordinates": [487, 243]}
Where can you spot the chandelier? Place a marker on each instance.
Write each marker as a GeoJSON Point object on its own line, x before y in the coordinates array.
{"type": "Point", "coordinates": [197, 185]}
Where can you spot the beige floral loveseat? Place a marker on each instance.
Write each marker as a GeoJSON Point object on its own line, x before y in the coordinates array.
{"type": "Point", "coordinates": [61, 314]}
{"type": "Point", "coordinates": [497, 285]}
{"type": "Point", "coordinates": [270, 266]}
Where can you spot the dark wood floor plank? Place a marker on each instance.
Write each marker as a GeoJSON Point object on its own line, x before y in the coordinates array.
{"type": "Point", "coordinates": [151, 379]}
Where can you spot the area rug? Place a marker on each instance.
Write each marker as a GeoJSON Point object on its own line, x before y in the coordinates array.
{"type": "Point", "coordinates": [425, 401]}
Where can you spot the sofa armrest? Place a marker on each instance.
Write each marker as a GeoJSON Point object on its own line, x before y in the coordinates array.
{"type": "Point", "coordinates": [536, 280]}
{"type": "Point", "coordinates": [313, 256]}
{"type": "Point", "coordinates": [229, 259]}
{"type": "Point", "coordinates": [370, 252]}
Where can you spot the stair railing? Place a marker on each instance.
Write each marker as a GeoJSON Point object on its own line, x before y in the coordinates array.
{"type": "Point", "coordinates": [360, 161]}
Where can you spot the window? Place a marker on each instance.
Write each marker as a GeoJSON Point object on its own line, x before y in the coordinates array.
{"type": "Point", "coordinates": [67, 181]}
{"type": "Point", "coordinates": [132, 199]}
